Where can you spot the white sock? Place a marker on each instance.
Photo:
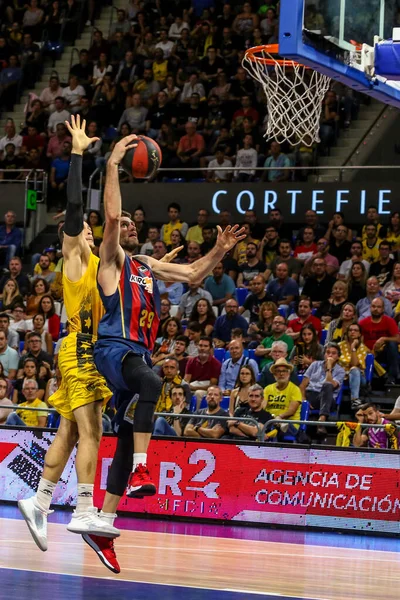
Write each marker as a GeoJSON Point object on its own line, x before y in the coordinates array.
{"type": "Point", "coordinates": [44, 494]}
{"type": "Point", "coordinates": [84, 497]}
{"type": "Point", "coordinates": [108, 517]}
{"type": "Point", "coordinates": [139, 458]}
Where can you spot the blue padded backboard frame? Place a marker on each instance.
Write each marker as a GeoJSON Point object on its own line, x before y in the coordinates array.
{"type": "Point", "coordinates": [292, 46]}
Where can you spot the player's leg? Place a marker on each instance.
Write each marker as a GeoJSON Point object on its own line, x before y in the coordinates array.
{"type": "Point", "coordinates": [85, 519]}
{"type": "Point", "coordinates": [36, 508]}
{"type": "Point", "coordinates": [117, 481]}
{"type": "Point", "coordinates": [139, 377]}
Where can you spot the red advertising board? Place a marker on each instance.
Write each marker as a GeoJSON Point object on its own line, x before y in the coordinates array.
{"type": "Point", "coordinates": [312, 487]}
{"type": "Point", "coordinates": [265, 484]}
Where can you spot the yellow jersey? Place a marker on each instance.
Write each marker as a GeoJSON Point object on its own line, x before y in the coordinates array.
{"type": "Point", "coordinates": [277, 401]}
{"type": "Point", "coordinates": [31, 417]}
{"type": "Point", "coordinates": [371, 254]}
{"type": "Point", "coordinates": [82, 300]}
{"type": "Point", "coordinates": [364, 231]}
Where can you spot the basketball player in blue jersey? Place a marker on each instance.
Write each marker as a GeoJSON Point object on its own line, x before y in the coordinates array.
{"type": "Point", "coordinates": [129, 291]}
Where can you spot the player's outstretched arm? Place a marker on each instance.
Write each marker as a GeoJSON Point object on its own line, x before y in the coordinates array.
{"type": "Point", "coordinates": [196, 272]}
{"type": "Point", "coordinates": [74, 243]}
{"type": "Point", "coordinates": [110, 250]}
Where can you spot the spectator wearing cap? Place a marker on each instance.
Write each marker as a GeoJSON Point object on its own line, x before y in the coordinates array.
{"type": "Point", "coordinates": [283, 398]}
{"type": "Point", "coordinates": [322, 382]}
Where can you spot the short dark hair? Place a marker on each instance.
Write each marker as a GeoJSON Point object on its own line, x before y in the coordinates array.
{"type": "Point", "coordinates": [178, 386]}
{"type": "Point", "coordinates": [60, 98]}
{"type": "Point", "coordinates": [174, 205]}
{"type": "Point", "coordinates": [194, 326]}
{"type": "Point", "coordinates": [206, 338]}
{"type": "Point", "coordinates": [368, 405]}
{"type": "Point", "coordinates": [333, 345]}
{"type": "Point", "coordinates": [4, 315]}
{"type": "Point", "coordinates": [284, 241]}
{"type": "Point", "coordinates": [183, 338]}
{"type": "Point", "coordinates": [237, 331]}
{"type": "Point", "coordinates": [32, 335]}
{"type": "Point", "coordinates": [385, 243]}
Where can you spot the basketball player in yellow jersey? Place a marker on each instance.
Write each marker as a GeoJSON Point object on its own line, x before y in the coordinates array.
{"type": "Point", "coordinates": [83, 391]}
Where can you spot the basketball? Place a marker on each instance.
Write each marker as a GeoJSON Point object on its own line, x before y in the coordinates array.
{"type": "Point", "coordinates": [143, 161]}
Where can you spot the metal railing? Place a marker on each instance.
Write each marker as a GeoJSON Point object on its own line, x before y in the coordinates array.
{"type": "Point", "coordinates": [114, 9]}
{"type": "Point", "coordinates": [322, 424]}
{"type": "Point", "coordinates": [74, 51]}
{"type": "Point", "coordinates": [248, 421]}
{"type": "Point", "coordinates": [97, 171]}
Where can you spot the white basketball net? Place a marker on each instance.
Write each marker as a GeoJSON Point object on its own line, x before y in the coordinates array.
{"type": "Point", "coordinates": [294, 95]}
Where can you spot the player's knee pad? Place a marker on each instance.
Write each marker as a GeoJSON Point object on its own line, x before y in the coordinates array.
{"type": "Point", "coordinates": [121, 465]}
{"type": "Point", "coordinates": [150, 390]}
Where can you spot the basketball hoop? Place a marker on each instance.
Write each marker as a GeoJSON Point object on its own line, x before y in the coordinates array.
{"type": "Point", "coordinates": [294, 95]}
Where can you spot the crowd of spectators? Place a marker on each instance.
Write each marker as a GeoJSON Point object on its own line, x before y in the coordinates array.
{"type": "Point", "coordinates": [286, 320]}
{"type": "Point", "coordinates": [172, 72]}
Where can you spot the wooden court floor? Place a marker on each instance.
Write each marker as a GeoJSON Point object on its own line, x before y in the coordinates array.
{"type": "Point", "coordinates": [244, 566]}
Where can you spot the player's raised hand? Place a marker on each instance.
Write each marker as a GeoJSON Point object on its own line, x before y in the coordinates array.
{"type": "Point", "coordinates": [121, 147]}
{"type": "Point", "coordinates": [80, 141]}
{"type": "Point", "coordinates": [230, 237]}
{"type": "Point", "coordinates": [167, 258]}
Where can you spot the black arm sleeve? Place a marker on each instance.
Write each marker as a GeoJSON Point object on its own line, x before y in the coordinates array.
{"type": "Point", "coordinates": [74, 213]}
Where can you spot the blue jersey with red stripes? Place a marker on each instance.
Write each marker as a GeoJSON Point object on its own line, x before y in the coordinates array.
{"type": "Point", "coordinates": [133, 311]}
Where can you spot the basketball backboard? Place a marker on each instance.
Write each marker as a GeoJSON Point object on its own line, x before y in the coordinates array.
{"type": "Point", "coordinates": [322, 35]}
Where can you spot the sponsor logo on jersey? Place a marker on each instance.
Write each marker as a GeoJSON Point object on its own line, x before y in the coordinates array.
{"type": "Point", "coordinates": [146, 282]}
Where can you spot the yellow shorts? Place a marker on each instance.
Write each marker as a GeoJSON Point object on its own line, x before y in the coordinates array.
{"type": "Point", "coordinates": [81, 383]}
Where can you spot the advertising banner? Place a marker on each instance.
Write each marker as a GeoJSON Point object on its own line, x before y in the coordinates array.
{"type": "Point", "coordinates": [293, 199]}
{"type": "Point", "coordinates": [309, 487]}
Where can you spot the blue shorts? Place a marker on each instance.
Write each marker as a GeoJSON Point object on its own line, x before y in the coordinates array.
{"type": "Point", "coordinates": [109, 355]}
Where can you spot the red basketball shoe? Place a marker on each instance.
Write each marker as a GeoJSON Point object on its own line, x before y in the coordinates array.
{"type": "Point", "coordinates": [140, 483]}
{"type": "Point", "coordinates": [104, 548]}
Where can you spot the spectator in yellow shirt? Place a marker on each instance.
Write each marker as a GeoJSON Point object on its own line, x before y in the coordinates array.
{"type": "Point", "coordinates": [195, 233]}
{"type": "Point", "coordinates": [29, 418]}
{"type": "Point", "coordinates": [283, 399]}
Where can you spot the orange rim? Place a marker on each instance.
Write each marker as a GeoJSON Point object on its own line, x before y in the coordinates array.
{"type": "Point", "coordinates": [251, 54]}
